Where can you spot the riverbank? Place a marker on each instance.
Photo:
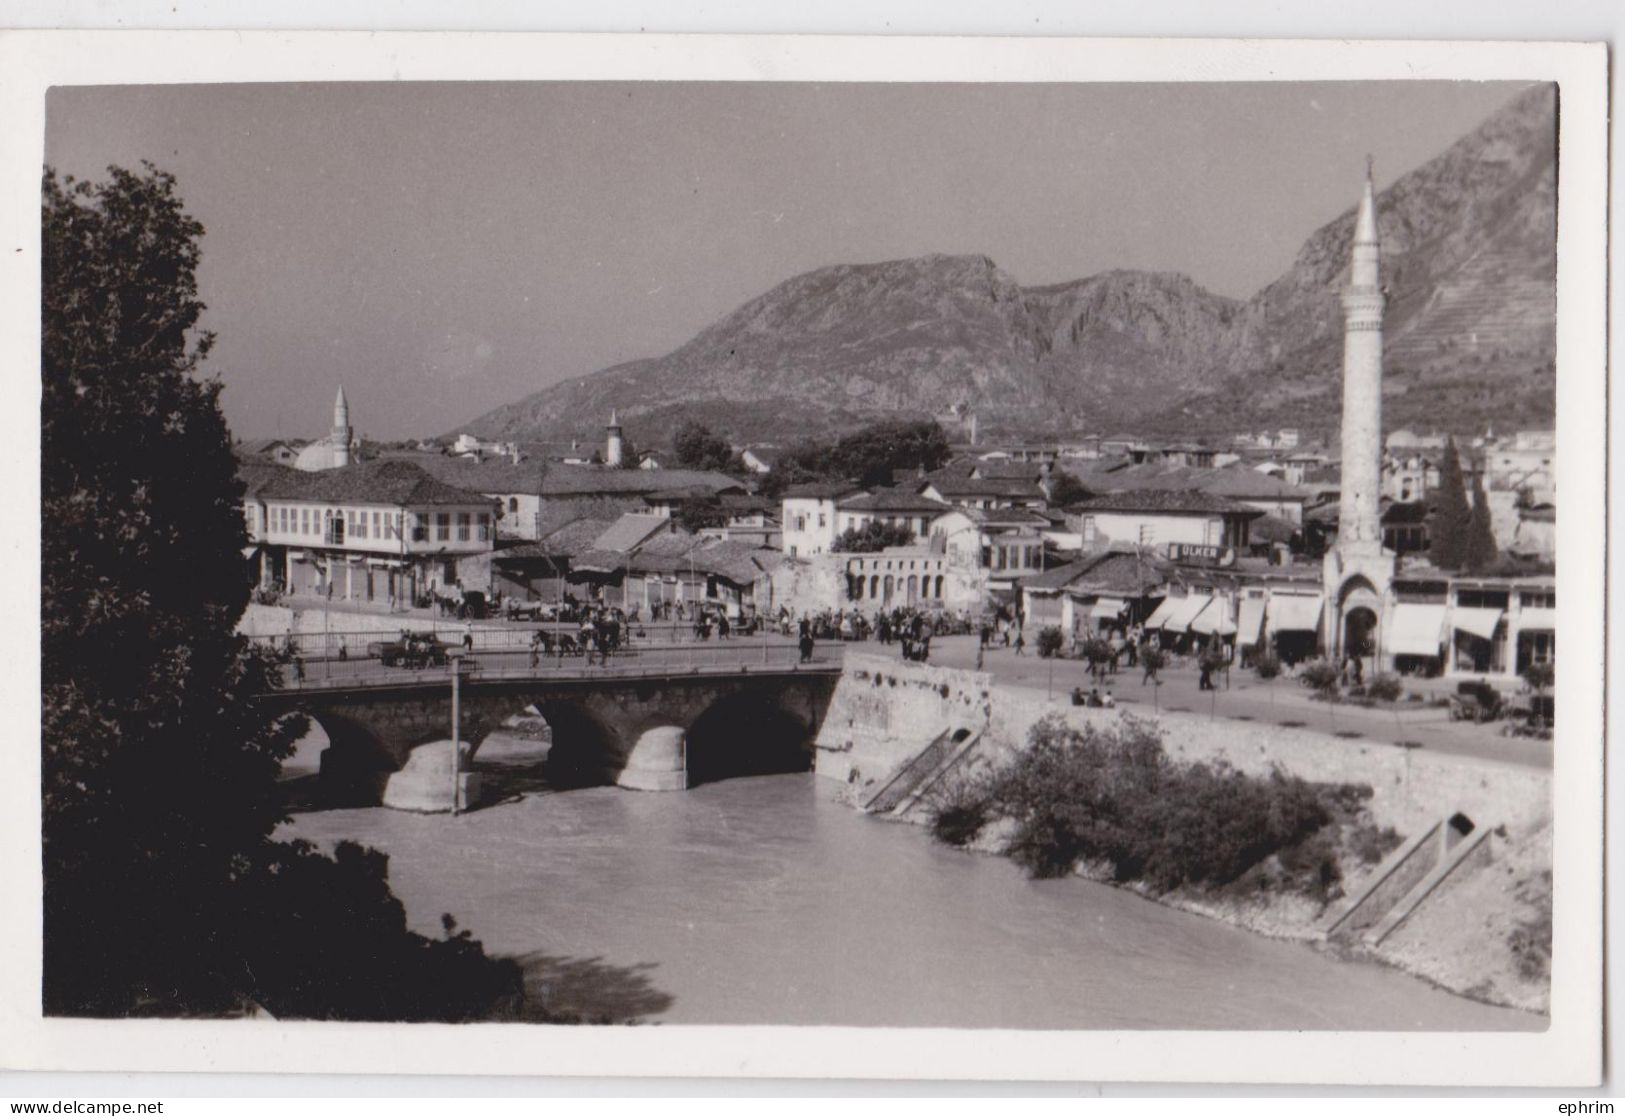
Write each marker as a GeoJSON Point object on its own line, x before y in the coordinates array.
{"type": "Point", "coordinates": [763, 900]}
{"type": "Point", "coordinates": [1483, 933]}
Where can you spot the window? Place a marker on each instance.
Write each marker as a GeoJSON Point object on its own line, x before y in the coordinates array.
{"type": "Point", "coordinates": [420, 527]}
{"type": "Point", "coordinates": [792, 550]}
{"type": "Point", "coordinates": [442, 527]}
{"type": "Point", "coordinates": [799, 523]}
{"type": "Point", "coordinates": [377, 527]}
{"type": "Point", "coordinates": [335, 530]}
{"type": "Point", "coordinates": [821, 519]}
{"type": "Point", "coordinates": [513, 503]}
{"type": "Point", "coordinates": [464, 519]}
{"type": "Point", "coordinates": [483, 533]}
{"type": "Point", "coordinates": [361, 525]}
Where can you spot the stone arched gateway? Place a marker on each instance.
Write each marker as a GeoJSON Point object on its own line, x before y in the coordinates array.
{"type": "Point", "coordinates": [1357, 630]}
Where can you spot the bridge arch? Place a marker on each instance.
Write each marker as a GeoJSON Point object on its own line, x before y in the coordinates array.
{"type": "Point", "coordinates": [748, 733]}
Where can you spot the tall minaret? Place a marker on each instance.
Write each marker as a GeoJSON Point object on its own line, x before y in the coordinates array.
{"type": "Point", "coordinates": [342, 434]}
{"type": "Point", "coordinates": [1359, 530]}
{"type": "Point", "coordinates": [613, 449]}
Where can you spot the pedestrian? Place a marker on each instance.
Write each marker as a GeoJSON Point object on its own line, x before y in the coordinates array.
{"type": "Point", "coordinates": [1021, 642]}
{"type": "Point", "coordinates": [806, 643]}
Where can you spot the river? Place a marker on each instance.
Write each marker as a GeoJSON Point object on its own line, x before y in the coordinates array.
{"type": "Point", "coordinates": [763, 900]}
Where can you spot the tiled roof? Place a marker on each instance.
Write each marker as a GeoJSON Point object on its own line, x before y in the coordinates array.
{"type": "Point", "coordinates": [1114, 572]}
{"type": "Point", "coordinates": [821, 490]}
{"type": "Point", "coordinates": [496, 475]}
{"type": "Point", "coordinates": [592, 480]}
{"type": "Point", "coordinates": [890, 500]}
{"type": "Point", "coordinates": [1171, 501]}
{"type": "Point", "coordinates": [392, 481]}
{"type": "Point", "coordinates": [629, 531]}
{"type": "Point", "coordinates": [575, 537]}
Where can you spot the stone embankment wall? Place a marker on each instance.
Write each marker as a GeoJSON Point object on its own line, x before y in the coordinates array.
{"type": "Point", "coordinates": [1481, 933]}
{"type": "Point", "coordinates": [1411, 788]}
{"type": "Point", "coordinates": [884, 711]}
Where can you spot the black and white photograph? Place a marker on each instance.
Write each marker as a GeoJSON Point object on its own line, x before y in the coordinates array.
{"type": "Point", "coordinates": [611, 557]}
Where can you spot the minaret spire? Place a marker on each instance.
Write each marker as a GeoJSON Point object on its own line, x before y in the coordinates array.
{"type": "Point", "coordinates": [1359, 529]}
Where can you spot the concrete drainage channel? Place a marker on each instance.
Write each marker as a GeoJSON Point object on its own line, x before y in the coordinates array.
{"type": "Point", "coordinates": [1404, 881]}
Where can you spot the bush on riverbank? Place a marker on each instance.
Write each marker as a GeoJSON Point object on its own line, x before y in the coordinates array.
{"type": "Point", "coordinates": [1110, 795]}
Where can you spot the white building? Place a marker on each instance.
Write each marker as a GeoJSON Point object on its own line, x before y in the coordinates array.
{"type": "Point", "coordinates": [808, 518]}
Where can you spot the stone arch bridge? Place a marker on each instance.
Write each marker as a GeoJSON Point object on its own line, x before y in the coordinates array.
{"type": "Point", "coordinates": [650, 727]}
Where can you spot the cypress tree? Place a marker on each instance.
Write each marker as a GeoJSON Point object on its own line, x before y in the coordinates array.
{"type": "Point", "coordinates": [1481, 550]}
{"type": "Point", "coordinates": [1447, 535]}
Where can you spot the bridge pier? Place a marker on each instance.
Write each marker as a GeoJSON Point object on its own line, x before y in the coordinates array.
{"type": "Point", "coordinates": [658, 761]}
{"type": "Point", "coordinates": [423, 784]}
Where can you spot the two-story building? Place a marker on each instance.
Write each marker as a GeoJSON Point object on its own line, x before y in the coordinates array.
{"type": "Point", "coordinates": [808, 519]}
{"type": "Point", "coordinates": [895, 507]}
{"type": "Point", "coordinates": [383, 531]}
{"type": "Point", "coordinates": [1158, 517]}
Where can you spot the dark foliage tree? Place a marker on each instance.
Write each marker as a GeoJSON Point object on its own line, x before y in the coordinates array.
{"type": "Point", "coordinates": [1480, 551]}
{"type": "Point", "coordinates": [871, 456]}
{"type": "Point", "coordinates": [163, 890]}
{"type": "Point", "coordinates": [697, 513]}
{"type": "Point", "coordinates": [872, 536]}
{"type": "Point", "coordinates": [1447, 532]}
{"type": "Point", "coordinates": [1066, 490]}
{"type": "Point", "coordinates": [697, 447]}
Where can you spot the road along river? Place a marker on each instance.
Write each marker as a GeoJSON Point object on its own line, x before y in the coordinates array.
{"type": "Point", "coordinates": [763, 900]}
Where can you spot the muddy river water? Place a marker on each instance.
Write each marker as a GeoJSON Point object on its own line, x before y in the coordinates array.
{"type": "Point", "coordinates": [762, 900]}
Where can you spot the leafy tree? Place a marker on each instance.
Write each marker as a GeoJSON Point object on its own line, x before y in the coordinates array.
{"type": "Point", "coordinates": [872, 536]}
{"type": "Point", "coordinates": [869, 456]}
{"type": "Point", "coordinates": [696, 513]}
{"type": "Point", "coordinates": [1447, 534]}
{"type": "Point", "coordinates": [159, 770]}
{"type": "Point", "coordinates": [698, 448]}
{"type": "Point", "coordinates": [1066, 490]}
{"type": "Point", "coordinates": [1481, 550]}
{"type": "Point", "coordinates": [1050, 639]}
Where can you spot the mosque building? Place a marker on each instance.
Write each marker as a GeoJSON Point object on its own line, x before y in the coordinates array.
{"type": "Point", "coordinates": [336, 449]}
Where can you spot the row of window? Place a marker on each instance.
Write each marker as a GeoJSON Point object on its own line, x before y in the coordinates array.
{"type": "Point", "coordinates": [333, 527]}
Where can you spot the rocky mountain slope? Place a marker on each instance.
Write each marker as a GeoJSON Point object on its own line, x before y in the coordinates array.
{"type": "Point", "coordinates": [1469, 265]}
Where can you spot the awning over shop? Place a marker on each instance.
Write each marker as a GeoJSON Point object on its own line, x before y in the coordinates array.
{"type": "Point", "coordinates": [1480, 622]}
{"type": "Point", "coordinates": [1107, 608]}
{"type": "Point", "coordinates": [250, 551]}
{"type": "Point", "coordinates": [1295, 614]}
{"type": "Point", "coordinates": [1538, 620]}
{"type": "Point", "coordinates": [1416, 629]}
{"type": "Point", "coordinates": [1163, 611]}
{"type": "Point", "coordinates": [1185, 610]}
{"type": "Point", "coordinates": [298, 556]}
{"type": "Point", "coordinates": [386, 563]}
{"type": "Point", "coordinates": [1214, 619]}
{"type": "Point", "coordinates": [1250, 627]}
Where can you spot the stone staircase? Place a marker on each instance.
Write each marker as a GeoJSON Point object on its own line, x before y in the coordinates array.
{"type": "Point", "coordinates": [1405, 880]}
{"type": "Point", "coordinates": [904, 789]}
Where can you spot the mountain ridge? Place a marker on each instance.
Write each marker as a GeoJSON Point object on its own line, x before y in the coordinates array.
{"type": "Point", "coordinates": [1469, 269]}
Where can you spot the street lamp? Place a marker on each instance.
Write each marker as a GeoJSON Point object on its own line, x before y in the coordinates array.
{"type": "Point", "coordinates": [455, 658]}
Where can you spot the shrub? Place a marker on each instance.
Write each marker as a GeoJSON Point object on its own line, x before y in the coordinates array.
{"type": "Point", "coordinates": [1154, 658]}
{"type": "Point", "coordinates": [1049, 641]}
{"type": "Point", "coordinates": [1267, 665]}
{"type": "Point", "coordinates": [960, 809]}
{"type": "Point", "coordinates": [1384, 687]}
{"type": "Point", "coordinates": [1322, 677]}
{"type": "Point", "coordinates": [1111, 794]}
{"type": "Point", "coordinates": [1539, 676]}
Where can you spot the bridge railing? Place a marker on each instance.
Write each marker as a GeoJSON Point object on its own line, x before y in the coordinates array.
{"type": "Point", "coordinates": [636, 660]}
{"type": "Point", "coordinates": [353, 644]}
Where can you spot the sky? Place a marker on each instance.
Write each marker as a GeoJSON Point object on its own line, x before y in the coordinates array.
{"type": "Point", "coordinates": [444, 248]}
